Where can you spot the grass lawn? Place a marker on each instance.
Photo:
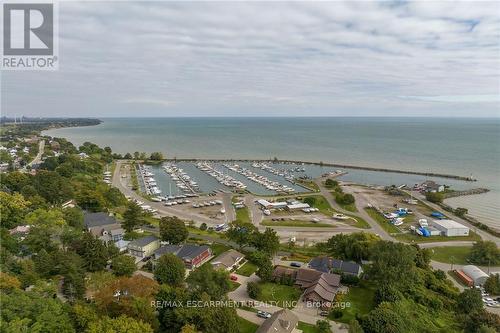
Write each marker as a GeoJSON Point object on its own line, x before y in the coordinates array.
{"type": "Point", "coordinates": [245, 326]}
{"type": "Point", "coordinates": [309, 184]}
{"type": "Point", "coordinates": [280, 295]}
{"type": "Point", "coordinates": [384, 223]}
{"type": "Point", "coordinates": [307, 328]}
{"type": "Point", "coordinates": [219, 248]}
{"type": "Point", "coordinates": [449, 254]}
{"type": "Point", "coordinates": [321, 203]}
{"type": "Point", "coordinates": [349, 207]}
{"type": "Point", "coordinates": [234, 285]}
{"type": "Point", "coordinates": [360, 300]}
{"type": "Point", "coordinates": [296, 223]}
{"type": "Point", "coordinates": [247, 269]}
{"type": "Point", "coordinates": [412, 238]}
{"type": "Point", "coordinates": [243, 215]}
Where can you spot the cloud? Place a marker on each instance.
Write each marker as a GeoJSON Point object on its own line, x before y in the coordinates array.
{"type": "Point", "coordinates": [267, 58]}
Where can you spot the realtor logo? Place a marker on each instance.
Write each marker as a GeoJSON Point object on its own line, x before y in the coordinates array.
{"type": "Point", "coordinates": [29, 32]}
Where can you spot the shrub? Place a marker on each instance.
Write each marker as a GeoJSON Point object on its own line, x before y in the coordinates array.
{"type": "Point", "coordinates": [254, 290]}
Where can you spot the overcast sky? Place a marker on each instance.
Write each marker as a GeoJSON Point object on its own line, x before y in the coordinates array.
{"type": "Point", "coordinates": [267, 59]}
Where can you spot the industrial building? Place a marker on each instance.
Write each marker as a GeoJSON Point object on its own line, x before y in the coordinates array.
{"type": "Point", "coordinates": [477, 276]}
{"type": "Point", "coordinates": [450, 228]}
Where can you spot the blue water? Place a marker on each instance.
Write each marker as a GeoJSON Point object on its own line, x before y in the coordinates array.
{"type": "Point", "coordinates": [457, 146]}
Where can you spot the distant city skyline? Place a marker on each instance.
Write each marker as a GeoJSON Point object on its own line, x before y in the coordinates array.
{"type": "Point", "coordinates": [326, 59]}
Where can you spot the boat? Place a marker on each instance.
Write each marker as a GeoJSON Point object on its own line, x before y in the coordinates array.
{"type": "Point", "coordinates": [340, 217]}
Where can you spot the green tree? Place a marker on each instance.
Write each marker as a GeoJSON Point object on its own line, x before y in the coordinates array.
{"type": "Point", "coordinates": [311, 201]}
{"type": "Point", "coordinates": [265, 271]}
{"type": "Point", "coordinates": [52, 186]}
{"type": "Point", "coordinates": [492, 284]}
{"type": "Point", "coordinates": [323, 326]}
{"type": "Point", "coordinates": [156, 156]}
{"type": "Point", "coordinates": [469, 301]}
{"type": "Point", "coordinates": [344, 198]}
{"type": "Point", "coordinates": [133, 217]}
{"type": "Point", "coordinates": [173, 230]}
{"type": "Point", "coordinates": [355, 327]}
{"type": "Point", "coordinates": [434, 197]}
{"type": "Point", "coordinates": [459, 211]}
{"type": "Point", "coordinates": [331, 183]}
{"type": "Point", "coordinates": [66, 170]}
{"type": "Point", "coordinates": [254, 290]}
{"type": "Point", "coordinates": [170, 270]}
{"type": "Point", "coordinates": [13, 208]}
{"type": "Point", "coordinates": [383, 320]}
{"type": "Point", "coordinates": [267, 242]}
{"type": "Point", "coordinates": [387, 293]}
{"type": "Point", "coordinates": [123, 265]}
{"type": "Point", "coordinates": [121, 324]}
{"type": "Point", "coordinates": [242, 233]}
{"type": "Point", "coordinates": [74, 217]}
{"type": "Point", "coordinates": [485, 253]}
{"type": "Point", "coordinates": [93, 252]}
{"type": "Point", "coordinates": [205, 279]}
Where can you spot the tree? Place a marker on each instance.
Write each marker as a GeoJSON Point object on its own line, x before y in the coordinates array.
{"type": "Point", "coordinates": [121, 324]}
{"type": "Point", "coordinates": [123, 265]}
{"type": "Point", "coordinates": [173, 230]}
{"type": "Point", "coordinates": [93, 252]}
{"type": "Point", "coordinates": [52, 186]}
{"type": "Point", "coordinates": [203, 226]}
{"type": "Point", "coordinates": [13, 207]}
{"type": "Point", "coordinates": [354, 246]}
{"type": "Point", "coordinates": [355, 327]}
{"type": "Point", "coordinates": [156, 156]}
{"type": "Point", "coordinates": [323, 326]}
{"type": "Point", "coordinates": [485, 253]}
{"type": "Point", "coordinates": [268, 241]}
{"type": "Point", "coordinates": [434, 197]}
{"type": "Point", "coordinates": [205, 279]}
{"type": "Point", "coordinates": [492, 284]}
{"type": "Point", "coordinates": [459, 211]}
{"type": "Point", "coordinates": [132, 217]}
{"type": "Point", "coordinates": [311, 201]}
{"type": "Point", "coordinates": [387, 293]}
{"type": "Point", "coordinates": [74, 217]}
{"type": "Point", "coordinates": [331, 183]}
{"type": "Point", "coordinates": [127, 156]}
{"type": "Point", "coordinates": [241, 233]}
{"type": "Point", "coordinates": [344, 198]}
{"type": "Point", "coordinates": [469, 301]}
{"type": "Point", "coordinates": [170, 270]}
{"type": "Point", "coordinates": [254, 290]}
{"type": "Point", "coordinates": [265, 271]}
{"type": "Point", "coordinates": [383, 320]}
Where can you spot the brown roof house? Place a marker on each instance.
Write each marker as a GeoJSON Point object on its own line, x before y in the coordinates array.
{"type": "Point", "coordinates": [319, 288]}
{"type": "Point", "coordinates": [228, 260]}
{"type": "Point", "coordinates": [283, 321]}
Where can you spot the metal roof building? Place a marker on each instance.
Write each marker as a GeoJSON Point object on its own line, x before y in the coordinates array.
{"type": "Point", "coordinates": [450, 228]}
{"type": "Point", "coordinates": [477, 275]}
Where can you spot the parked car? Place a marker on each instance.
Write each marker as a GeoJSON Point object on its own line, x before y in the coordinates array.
{"type": "Point", "coordinates": [295, 264]}
{"type": "Point", "coordinates": [233, 278]}
{"type": "Point", "coordinates": [263, 314]}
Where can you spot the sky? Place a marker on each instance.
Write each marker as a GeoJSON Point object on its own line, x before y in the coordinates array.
{"type": "Point", "coordinates": [164, 59]}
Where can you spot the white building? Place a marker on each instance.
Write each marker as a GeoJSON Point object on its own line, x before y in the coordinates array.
{"type": "Point", "coordinates": [477, 275]}
{"type": "Point", "coordinates": [450, 228]}
{"type": "Point", "coordinates": [297, 206]}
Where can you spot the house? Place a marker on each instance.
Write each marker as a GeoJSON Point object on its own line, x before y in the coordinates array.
{"type": "Point", "coordinates": [122, 245]}
{"type": "Point", "coordinates": [329, 265]}
{"type": "Point", "coordinates": [282, 321]}
{"type": "Point", "coordinates": [103, 226]}
{"type": "Point", "coordinates": [228, 260]}
{"type": "Point", "coordinates": [191, 254]}
{"type": "Point", "coordinates": [143, 247]}
{"type": "Point", "coordinates": [319, 288]}
{"type": "Point", "coordinates": [450, 228]}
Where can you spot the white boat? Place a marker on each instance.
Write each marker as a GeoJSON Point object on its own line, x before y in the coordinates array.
{"type": "Point", "coordinates": [340, 217]}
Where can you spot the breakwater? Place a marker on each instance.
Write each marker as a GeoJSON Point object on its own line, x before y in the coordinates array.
{"type": "Point", "coordinates": [454, 194]}
{"type": "Point", "coordinates": [334, 165]}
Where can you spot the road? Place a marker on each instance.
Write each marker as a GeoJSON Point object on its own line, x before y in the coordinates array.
{"type": "Point", "coordinates": [38, 157]}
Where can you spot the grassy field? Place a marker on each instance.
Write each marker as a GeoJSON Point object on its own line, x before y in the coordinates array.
{"type": "Point", "coordinates": [360, 302]}
{"type": "Point", "coordinates": [451, 254]}
{"type": "Point", "coordinates": [390, 228]}
{"type": "Point", "coordinates": [412, 238]}
{"type": "Point", "coordinates": [234, 285]}
{"type": "Point", "coordinates": [296, 223]}
{"type": "Point", "coordinates": [245, 326]}
{"type": "Point", "coordinates": [322, 204]}
{"type": "Point", "coordinates": [247, 269]}
{"type": "Point", "coordinates": [242, 214]}
{"type": "Point", "coordinates": [309, 184]}
{"type": "Point", "coordinates": [349, 207]}
{"type": "Point", "coordinates": [307, 328]}
{"type": "Point", "coordinates": [280, 295]}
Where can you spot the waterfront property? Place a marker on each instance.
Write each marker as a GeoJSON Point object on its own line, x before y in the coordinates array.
{"type": "Point", "coordinates": [143, 247]}
{"type": "Point", "coordinates": [192, 255]}
{"type": "Point", "coordinates": [450, 228]}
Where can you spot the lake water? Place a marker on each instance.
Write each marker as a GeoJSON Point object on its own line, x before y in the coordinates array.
{"type": "Point", "coordinates": [455, 146]}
